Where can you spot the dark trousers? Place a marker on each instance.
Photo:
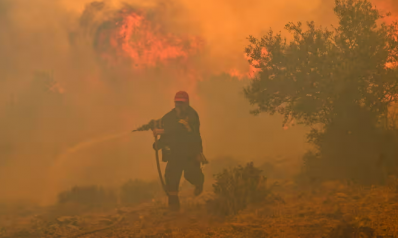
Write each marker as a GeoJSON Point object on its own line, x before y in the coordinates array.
{"type": "Point", "coordinates": [192, 173]}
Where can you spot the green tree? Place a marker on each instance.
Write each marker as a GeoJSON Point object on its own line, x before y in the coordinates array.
{"type": "Point", "coordinates": [341, 79]}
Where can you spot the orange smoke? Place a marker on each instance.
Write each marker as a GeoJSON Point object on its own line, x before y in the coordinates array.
{"type": "Point", "coordinates": [131, 36]}
{"type": "Point", "coordinates": [253, 70]}
{"type": "Point", "coordinates": [387, 6]}
{"type": "Point", "coordinates": [254, 67]}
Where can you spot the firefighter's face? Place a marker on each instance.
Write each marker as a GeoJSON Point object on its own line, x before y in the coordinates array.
{"type": "Point", "coordinates": [181, 105]}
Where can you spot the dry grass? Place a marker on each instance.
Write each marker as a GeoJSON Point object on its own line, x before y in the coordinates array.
{"type": "Point", "coordinates": [134, 192]}
{"type": "Point", "coordinates": [331, 209]}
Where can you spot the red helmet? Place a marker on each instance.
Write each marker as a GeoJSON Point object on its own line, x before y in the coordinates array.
{"type": "Point", "coordinates": [181, 96]}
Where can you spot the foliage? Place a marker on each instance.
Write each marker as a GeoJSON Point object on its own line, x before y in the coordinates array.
{"type": "Point", "coordinates": [236, 188]}
{"type": "Point", "coordinates": [218, 165]}
{"type": "Point", "coordinates": [130, 193]}
{"type": "Point", "coordinates": [341, 82]}
{"type": "Point", "coordinates": [321, 74]}
{"type": "Point", "coordinates": [89, 196]}
{"type": "Point", "coordinates": [333, 209]}
{"type": "Point", "coordinates": [138, 191]}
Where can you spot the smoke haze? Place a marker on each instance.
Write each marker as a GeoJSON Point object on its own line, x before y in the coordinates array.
{"type": "Point", "coordinates": [67, 102]}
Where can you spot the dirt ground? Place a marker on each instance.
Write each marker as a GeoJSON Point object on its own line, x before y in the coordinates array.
{"type": "Point", "coordinates": [332, 209]}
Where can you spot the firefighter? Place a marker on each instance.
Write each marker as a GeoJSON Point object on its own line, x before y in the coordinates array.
{"type": "Point", "coordinates": [181, 145]}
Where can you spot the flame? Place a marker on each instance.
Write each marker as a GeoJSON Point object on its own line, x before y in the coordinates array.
{"type": "Point", "coordinates": [146, 44]}
{"type": "Point", "coordinates": [252, 72]}
{"type": "Point", "coordinates": [131, 36]}
{"type": "Point", "coordinates": [57, 88]}
{"type": "Point", "coordinates": [253, 67]}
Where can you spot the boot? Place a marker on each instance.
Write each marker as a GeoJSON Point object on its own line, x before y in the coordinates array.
{"type": "Point", "coordinates": [174, 203]}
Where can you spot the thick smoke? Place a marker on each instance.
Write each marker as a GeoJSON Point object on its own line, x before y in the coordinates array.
{"type": "Point", "coordinates": [65, 112]}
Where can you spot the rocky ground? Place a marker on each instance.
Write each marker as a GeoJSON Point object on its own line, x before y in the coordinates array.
{"type": "Point", "coordinates": [331, 209]}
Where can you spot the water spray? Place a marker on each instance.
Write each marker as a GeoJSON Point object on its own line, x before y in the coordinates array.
{"type": "Point", "coordinates": [63, 158]}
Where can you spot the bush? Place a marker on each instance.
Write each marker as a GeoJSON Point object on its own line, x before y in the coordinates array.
{"type": "Point", "coordinates": [217, 165]}
{"type": "Point", "coordinates": [366, 155]}
{"type": "Point", "coordinates": [89, 196]}
{"type": "Point", "coordinates": [130, 193]}
{"type": "Point", "coordinates": [311, 170]}
{"type": "Point", "coordinates": [138, 191]}
{"type": "Point", "coordinates": [236, 188]}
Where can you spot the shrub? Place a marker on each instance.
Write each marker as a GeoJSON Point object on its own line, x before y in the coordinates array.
{"type": "Point", "coordinates": [236, 188]}
{"type": "Point", "coordinates": [138, 191]}
{"type": "Point", "coordinates": [89, 196]}
{"type": "Point", "coordinates": [217, 165]}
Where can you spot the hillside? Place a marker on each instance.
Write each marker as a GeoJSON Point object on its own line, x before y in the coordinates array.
{"type": "Point", "coordinates": [331, 209]}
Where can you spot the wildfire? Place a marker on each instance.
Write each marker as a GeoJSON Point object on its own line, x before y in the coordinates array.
{"type": "Point", "coordinates": [130, 35]}
{"type": "Point", "coordinates": [250, 74]}
{"type": "Point", "coordinates": [253, 69]}
{"type": "Point", "coordinates": [386, 6]}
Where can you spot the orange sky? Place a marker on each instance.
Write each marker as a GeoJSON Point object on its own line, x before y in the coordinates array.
{"type": "Point", "coordinates": [99, 100]}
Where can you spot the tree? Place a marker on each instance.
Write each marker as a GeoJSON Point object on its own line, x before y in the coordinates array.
{"type": "Point", "coordinates": [336, 78]}
{"type": "Point", "coordinates": [320, 69]}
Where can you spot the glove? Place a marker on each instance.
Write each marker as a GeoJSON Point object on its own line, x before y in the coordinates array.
{"type": "Point", "coordinates": [186, 124]}
{"type": "Point", "coordinates": [202, 159]}
{"type": "Point", "coordinates": [157, 131]}
{"type": "Point", "coordinates": [159, 145]}
{"type": "Point", "coordinates": [154, 146]}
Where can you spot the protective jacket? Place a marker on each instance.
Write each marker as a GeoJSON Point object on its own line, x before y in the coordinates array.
{"type": "Point", "coordinates": [181, 138]}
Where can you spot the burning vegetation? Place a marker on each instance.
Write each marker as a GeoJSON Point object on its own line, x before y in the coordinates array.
{"type": "Point", "coordinates": [139, 38]}
{"type": "Point", "coordinates": [130, 35]}
{"type": "Point", "coordinates": [341, 84]}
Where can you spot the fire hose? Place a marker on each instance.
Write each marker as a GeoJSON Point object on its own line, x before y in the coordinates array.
{"type": "Point", "coordinates": [155, 124]}
{"type": "Point", "coordinates": [158, 165]}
